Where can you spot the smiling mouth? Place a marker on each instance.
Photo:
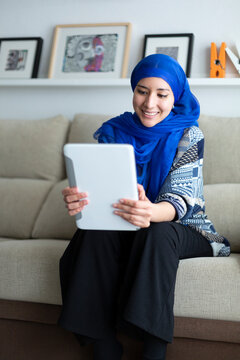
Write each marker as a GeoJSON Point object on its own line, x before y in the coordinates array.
{"type": "Point", "coordinates": [150, 113]}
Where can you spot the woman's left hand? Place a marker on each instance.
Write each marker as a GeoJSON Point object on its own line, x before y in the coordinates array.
{"type": "Point", "coordinates": [137, 212]}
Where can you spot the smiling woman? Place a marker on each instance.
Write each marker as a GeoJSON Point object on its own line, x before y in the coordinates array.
{"type": "Point", "coordinates": [113, 280]}
{"type": "Point", "coordinates": [153, 100]}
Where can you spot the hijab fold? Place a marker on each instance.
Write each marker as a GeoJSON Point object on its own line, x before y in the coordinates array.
{"type": "Point", "coordinates": [155, 147]}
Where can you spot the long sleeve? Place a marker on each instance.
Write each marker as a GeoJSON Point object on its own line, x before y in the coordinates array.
{"type": "Point", "coordinates": [183, 188]}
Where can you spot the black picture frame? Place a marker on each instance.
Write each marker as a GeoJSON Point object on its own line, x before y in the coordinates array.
{"type": "Point", "coordinates": [179, 46]}
{"type": "Point", "coordinates": [20, 57]}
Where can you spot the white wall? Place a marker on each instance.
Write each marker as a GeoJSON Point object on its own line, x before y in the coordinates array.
{"type": "Point", "coordinates": [209, 20]}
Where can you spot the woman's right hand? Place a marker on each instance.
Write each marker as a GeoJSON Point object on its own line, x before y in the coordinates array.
{"type": "Point", "coordinates": [75, 201]}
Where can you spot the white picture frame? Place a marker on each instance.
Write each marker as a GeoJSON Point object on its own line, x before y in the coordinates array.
{"type": "Point", "coordinates": [90, 51]}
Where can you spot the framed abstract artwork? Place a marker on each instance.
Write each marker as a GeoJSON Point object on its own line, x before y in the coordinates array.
{"type": "Point", "coordinates": [90, 51]}
{"type": "Point", "coordinates": [178, 46]}
{"type": "Point", "coordinates": [20, 57]}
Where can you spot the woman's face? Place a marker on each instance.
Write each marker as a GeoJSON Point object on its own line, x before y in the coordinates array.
{"type": "Point", "coordinates": [153, 100]}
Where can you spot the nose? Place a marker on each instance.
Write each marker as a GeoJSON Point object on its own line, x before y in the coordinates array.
{"type": "Point", "coordinates": [150, 101]}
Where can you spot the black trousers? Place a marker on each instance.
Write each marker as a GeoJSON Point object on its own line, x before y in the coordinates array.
{"type": "Point", "coordinates": [125, 279]}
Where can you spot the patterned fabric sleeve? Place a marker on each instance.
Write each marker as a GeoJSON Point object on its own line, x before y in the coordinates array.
{"type": "Point", "coordinates": [183, 187]}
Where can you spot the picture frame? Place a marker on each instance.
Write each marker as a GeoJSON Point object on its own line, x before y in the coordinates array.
{"type": "Point", "coordinates": [20, 57]}
{"type": "Point", "coordinates": [90, 51]}
{"type": "Point", "coordinates": [179, 46]}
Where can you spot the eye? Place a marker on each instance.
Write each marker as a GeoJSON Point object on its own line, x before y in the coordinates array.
{"type": "Point", "coordinates": [162, 96]}
{"type": "Point", "coordinates": [141, 92]}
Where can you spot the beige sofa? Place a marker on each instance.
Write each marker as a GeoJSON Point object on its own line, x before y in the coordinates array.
{"type": "Point", "coordinates": [35, 230]}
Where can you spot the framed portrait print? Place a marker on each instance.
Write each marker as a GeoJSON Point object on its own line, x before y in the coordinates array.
{"type": "Point", "coordinates": [178, 46]}
{"type": "Point", "coordinates": [90, 51]}
{"type": "Point", "coordinates": [20, 57]}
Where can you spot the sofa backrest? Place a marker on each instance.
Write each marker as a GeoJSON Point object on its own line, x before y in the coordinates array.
{"type": "Point", "coordinates": [221, 167]}
{"type": "Point", "coordinates": [62, 226]}
{"type": "Point", "coordinates": [221, 172]}
{"type": "Point", "coordinates": [33, 148]}
{"type": "Point", "coordinates": [30, 163]}
{"type": "Point", "coordinates": [84, 126]}
{"type": "Point", "coordinates": [222, 150]}
{"type": "Point", "coordinates": [31, 182]}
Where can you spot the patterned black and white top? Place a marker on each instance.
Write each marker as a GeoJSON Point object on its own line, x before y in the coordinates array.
{"type": "Point", "coordinates": [183, 188]}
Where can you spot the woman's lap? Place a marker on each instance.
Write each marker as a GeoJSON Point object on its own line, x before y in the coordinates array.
{"type": "Point", "coordinates": [133, 272]}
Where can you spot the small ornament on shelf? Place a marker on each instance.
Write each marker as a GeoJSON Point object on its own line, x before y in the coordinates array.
{"type": "Point", "coordinates": [218, 62]}
{"type": "Point", "coordinates": [235, 59]}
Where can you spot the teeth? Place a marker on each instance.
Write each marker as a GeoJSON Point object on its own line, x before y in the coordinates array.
{"type": "Point", "coordinates": [150, 113]}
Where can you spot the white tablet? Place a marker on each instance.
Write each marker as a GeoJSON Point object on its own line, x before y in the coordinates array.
{"type": "Point", "coordinates": [108, 173]}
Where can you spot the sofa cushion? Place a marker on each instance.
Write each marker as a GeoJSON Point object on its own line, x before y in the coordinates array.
{"type": "Point", "coordinates": [222, 150]}
{"type": "Point", "coordinates": [222, 207]}
{"type": "Point", "coordinates": [33, 148]}
{"type": "Point", "coordinates": [207, 288]}
{"type": "Point", "coordinates": [53, 220]}
{"type": "Point", "coordinates": [21, 200]}
{"type": "Point", "coordinates": [29, 270]}
{"type": "Point", "coordinates": [83, 127]}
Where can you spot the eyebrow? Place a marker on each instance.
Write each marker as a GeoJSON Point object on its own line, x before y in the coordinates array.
{"type": "Point", "coordinates": [145, 87]}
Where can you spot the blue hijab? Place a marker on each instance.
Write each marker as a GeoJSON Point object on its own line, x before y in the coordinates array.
{"type": "Point", "coordinates": [155, 147]}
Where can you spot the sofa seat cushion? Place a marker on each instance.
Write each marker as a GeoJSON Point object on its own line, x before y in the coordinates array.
{"type": "Point", "coordinates": [206, 287]}
{"type": "Point", "coordinates": [53, 221]}
{"type": "Point", "coordinates": [222, 207]}
{"type": "Point", "coordinates": [29, 270]}
{"type": "Point", "coordinates": [33, 148]}
{"type": "Point", "coordinates": [21, 200]}
{"type": "Point", "coordinates": [209, 288]}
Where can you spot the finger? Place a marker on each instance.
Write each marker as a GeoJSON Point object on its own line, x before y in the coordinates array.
{"type": "Point", "coordinates": [69, 190]}
{"type": "Point", "coordinates": [136, 220]}
{"type": "Point", "coordinates": [77, 204]}
{"type": "Point", "coordinates": [76, 207]}
{"type": "Point", "coordinates": [125, 204]}
{"type": "Point", "coordinates": [76, 197]}
{"type": "Point", "coordinates": [74, 212]}
{"type": "Point", "coordinates": [141, 192]}
{"type": "Point", "coordinates": [133, 210]}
